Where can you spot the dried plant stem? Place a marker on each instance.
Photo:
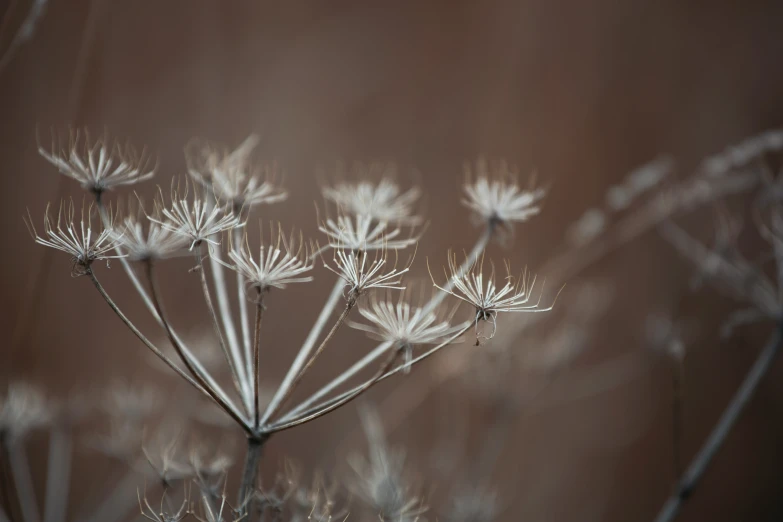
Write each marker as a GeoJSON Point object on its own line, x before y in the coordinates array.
{"type": "Point", "coordinates": [234, 364]}
{"type": "Point", "coordinates": [6, 483]}
{"type": "Point", "coordinates": [385, 372]}
{"type": "Point", "coordinates": [236, 360]}
{"type": "Point", "coordinates": [379, 350]}
{"type": "Point", "coordinates": [256, 352]}
{"type": "Point", "coordinates": [340, 320]}
{"type": "Point", "coordinates": [224, 404]}
{"type": "Point", "coordinates": [250, 474]}
{"type": "Point", "coordinates": [23, 481]}
{"type": "Point", "coordinates": [141, 336]}
{"type": "Point", "coordinates": [145, 297]}
{"type": "Point", "coordinates": [243, 315]}
{"type": "Point", "coordinates": [393, 356]}
{"type": "Point", "coordinates": [304, 351]}
{"type": "Point", "coordinates": [58, 473]}
{"type": "Point", "coordinates": [717, 437]}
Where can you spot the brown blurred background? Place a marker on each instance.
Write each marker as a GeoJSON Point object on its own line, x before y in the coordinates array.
{"type": "Point", "coordinates": [580, 92]}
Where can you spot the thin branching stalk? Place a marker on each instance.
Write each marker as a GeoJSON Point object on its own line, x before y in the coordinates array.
{"type": "Point", "coordinates": [243, 313]}
{"type": "Point", "coordinates": [234, 364]}
{"type": "Point", "coordinates": [717, 437]}
{"type": "Point", "coordinates": [58, 475]}
{"type": "Point", "coordinates": [23, 481]}
{"type": "Point", "coordinates": [304, 351]}
{"type": "Point", "coordinates": [385, 372]}
{"type": "Point", "coordinates": [225, 405]}
{"type": "Point", "coordinates": [154, 349]}
{"type": "Point", "coordinates": [256, 354]}
{"type": "Point", "coordinates": [145, 297]}
{"type": "Point", "coordinates": [338, 323]}
{"type": "Point", "coordinates": [393, 356]}
{"type": "Point", "coordinates": [6, 483]}
{"type": "Point", "coordinates": [379, 350]}
{"type": "Point", "coordinates": [236, 360]}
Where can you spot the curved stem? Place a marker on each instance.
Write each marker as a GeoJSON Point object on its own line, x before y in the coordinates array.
{"type": "Point", "coordinates": [393, 355]}
{"type": "Point", "coordinates": [154, 349]}
{"type": "Point", "coordinates": [304, 351]}
{"type": "Point", "coordinates": [225, 405]}
{"type": "Point", "coordinates": [344, 398]}
{"type": "Point", "coordinates": [340, 320]}
{"type": "Point", "coordinates": [379, 350]}
{"type": "Point", "coordinates": [235, 371]}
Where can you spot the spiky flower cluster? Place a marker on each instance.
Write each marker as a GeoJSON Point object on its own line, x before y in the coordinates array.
{"type": "Point", "coordinates": [80, 241]}
{"type": "Point", "coordinates": [497, 198]}
{"type": "Point", "coordinates": [383, 202]}
{"type": "Point", "coordinates": [281, 262]}
{"type": "Point", "coordinates": [487, 297]}
{"type": "Point", "coordinates": [404, 325]}
{"type": "Point", "coordinates": [362, 274]}
{"type": "Point", "coordinates": [99, 165]}
{"type": "Point", "coordinates": [232, 177]}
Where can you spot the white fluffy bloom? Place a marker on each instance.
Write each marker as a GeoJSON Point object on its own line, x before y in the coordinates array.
{"type": "Point", "coordinates": [80, 241]}
{"type": "Point", "coordinates": [383, 201]}
{"type": "Point", "coordinates": [281, 262]}
{"type": "Point", "coordinates": [487, 297]}
{"type": "Point", "coordinates": [361, 274]}
{"type": "Point", "coordinates": [232, 177]}
{"type": "Point", "coordinates": [99, 165]}
{"type": "Point", "coordinates": [360, 233]}
{"type": "Point", "coordinates": [196, 220]}
{"type": "Point", "coordinates": [500, 200]}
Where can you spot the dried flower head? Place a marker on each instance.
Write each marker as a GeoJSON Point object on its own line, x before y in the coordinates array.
{"type": "Point", "coordinates": [84, 245]}
{"type": "Point", "coordinates": [143, 238]}
{"type": "Point", "coordinates": [231, 175]}
{"type": "Point", "coordinates": [99, 165]}
{"type": "Point", "coordinates": [380, 482]}
{"type": "Point", "coordinates": [163, 455]}
{"type": "Point", "coordinates": [489, 299]}
{"type": "Point", "coordinates": [383, 201]}
{"type": "Point", "coordinates": [280, 262]}
{"type": "Point", "coordinates": [361, 233]}
{"type": "Point", "coordinates": [164, 514]}
{"type": "Point", "coordinates": [197, 219]}
{"type": "Point", "coordinates": [497, 198]}
{"type": "Point", "coordinates": [404, 325]}
{"type": "Point", "coordinates": [361, 274]}
{"type": "Point", "coordinates": [22, 410]}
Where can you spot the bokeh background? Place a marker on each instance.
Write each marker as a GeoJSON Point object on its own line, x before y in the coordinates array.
{"type": "Point", "coordinates": [578, 92]}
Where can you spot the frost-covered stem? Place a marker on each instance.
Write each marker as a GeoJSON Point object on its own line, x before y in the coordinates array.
{"type": "Point", "coordinates": [228, 352]}
{"type": "Point", "coordinates": [250, 474]}
{"type": "Point", "coordinates": [224, 404]}
{"type": "Point", "coordinates": [345, 397]}
{"type": "Point", "coordinates": [23, 480]}
{"type": "Point", "coordinates": [256, 351]}
{"type": "Point", "coordinates": [237, 362]}
{"type": "Point", "coordinates": [118, 503]}
{"type": "Point", "coordinates": [337, 324]}
{"type": "Point", "coordinates": [721, 430]}
{"type": "Point", "coordinates": [140, 335]}
{"type": "Point", "coordinates": [145, 297]}
{"type": "Point", "coordinates": [379, 350]}
{"type": "Point", "coordinates": [304, 351]}
{"type": "Point", "coordinates": [58, 475]}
